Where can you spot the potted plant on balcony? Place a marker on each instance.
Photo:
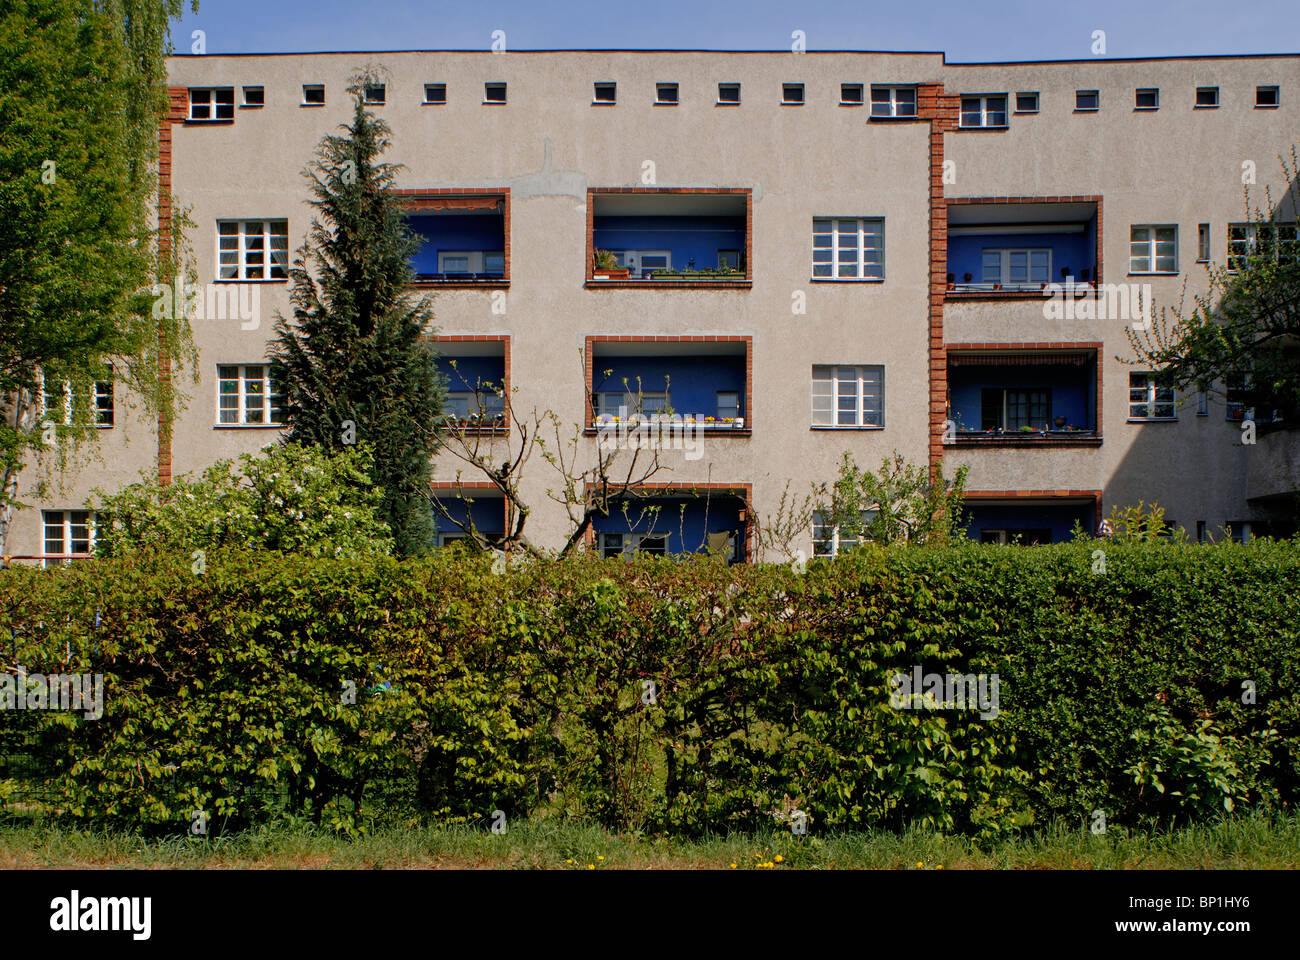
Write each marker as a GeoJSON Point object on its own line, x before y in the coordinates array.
{"type": "Point", "coordinates": [607, 267]}
{"type": "Point", "coordinates": [1060, 422]}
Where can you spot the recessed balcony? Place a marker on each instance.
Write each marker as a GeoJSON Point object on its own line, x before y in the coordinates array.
{"type": "Point", "coordinates": [1023, 397]}
{"type": "Point", "coordinates": [1016, 250]}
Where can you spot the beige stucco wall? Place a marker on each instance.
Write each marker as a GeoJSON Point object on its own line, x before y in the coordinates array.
{"type": "Point", "coordinates": [549, 144]}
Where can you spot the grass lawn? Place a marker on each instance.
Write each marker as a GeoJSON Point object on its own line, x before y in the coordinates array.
{"type": "Point", "coordinates": [1252, 843]}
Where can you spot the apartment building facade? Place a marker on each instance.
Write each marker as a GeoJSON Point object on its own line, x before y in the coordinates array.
{"type": "Point", "coordinates": [808, 253]}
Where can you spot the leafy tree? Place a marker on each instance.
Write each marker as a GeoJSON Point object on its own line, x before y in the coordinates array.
{"type": "Point", "coordinates": [903, 502]}
{"type": "Point", "coordinates": [82, 92]}
{"type": "Point", "coordinates": [356, 360]}
{"type": "Point", "coordinates": [290, 498]}
{"type": "Point", "coordinates": [1244, 331]}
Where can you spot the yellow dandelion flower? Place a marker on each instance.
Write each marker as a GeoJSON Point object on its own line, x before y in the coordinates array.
{"type": "Point", "coordinates": [600, 858]}
{"type": "Point", "coordinates": [568, 861]}
{"type": "Point", "coordinates": [591, 866]}
{"type": "Point", "coordinates": [733, 866]}
{"type": "Point", "coordinates": [919, 864]}
{"type": "Point", "coordinates": [778, 858]}
{"type": "Point", "coordinates": [939, 867]}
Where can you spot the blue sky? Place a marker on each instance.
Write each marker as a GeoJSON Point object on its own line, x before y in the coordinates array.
{"type": "Point", "coordinates": [989, 30]}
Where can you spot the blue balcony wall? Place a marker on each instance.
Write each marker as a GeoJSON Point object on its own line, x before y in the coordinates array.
{"type": "Point", "coordinates": [440, 232]}
{"type": "Point", "coordinates": [686, 521]}
{"type": "Point", "coordinates": [1058, 518]}
{"type": "Point", "coordinates": [693, 382]}
{"type": "Point", "coordinates": [687, 237]}
{"type": "Point", "coordinates": [1074, 394]}
{"type": "Point", "coordinates": [1073, 250]}
{"type": "Point", "coordinates": [471, 371]}
{"type": "Point", "coordinates": [488, 514]}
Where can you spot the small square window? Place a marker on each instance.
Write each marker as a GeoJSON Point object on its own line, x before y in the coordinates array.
{"type": "Point", "coordinates": [1146, 98]}
{"type": "Point", "coordinates": [606, 93]}
{"type": "Point", "coordinates": [851, 93]}
{"type": "Point", "coordinates": [729, 93]}
{"type": "Point", "coordinates": [494, 93]}
{"type": "Point", "coordinates": [1266, 96]}
{"type": "Point", "coordinates": [665, 93]}
{"type": "Point", "coordinates": [313, 94]}
{"type": "Point", "coordinates": [1027, 102]}
{"type": "Point", "coordinates": [435, 93]}
{"type": "Point", "coordinates": [1087, 99]}
{"type": "Point", "coordinates": [1207, 96]}
{"type": "Point", "coordinates": [254, 96]}
{"type": "Point", "coordinates": [1203, 243]}
{"type": "Point", "coordinates": [792, 93]}
{"type": "Point", "coordinates": [376, 93]}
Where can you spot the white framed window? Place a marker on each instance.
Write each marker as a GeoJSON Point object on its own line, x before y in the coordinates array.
{"type": "Point", "coordinates": [254, 96]}
{"type": "Point", "coordinates": [435, 93]}
{"type": "Point", "coordinates": [626, 544]}
{"type": "Point", "coordinates": [792, 93]}
{"type": "Point", "coordinates": [1016, 267]}
{"type": "Point", "coordinates": [246, 395]}
{"type": "Point", "coordinates": [1207, 97]}
{"type": "Point", "coordinates": [729, 94]}
{"type": "Point", "coordinates": [1153, 249]}
{"type": "Point", "coordinates": [642, 262]}
{"type": "Point", "coordinates": [462, 404]}
{"type": "Point", "coordinates": [1266, 97]}
{"type": "Point", "coordinates": [606, 93]}
{"type": "Point", "coordinates": [1146, 98]}
{"type": "Point", "coordinates": [59, 399]}
{"type": "Point", "coordinates": [851, 94]}
{"type": "Point", "coordinates": [617, 403]}
{"type": "Point", "coordinates": [494, 93]}
{"type": "Point", "coordinates": [68, 533]}
{"type": "Point", "coordinates": [376, 94]}
{"type": "Point", "coordinates": [313, 94]}
{"type": "Point", "coordinates": [891, 100]}
{"type": "Point", "coordinates": [984, 110]}
{"type": "Point", "coordinates": [668, 93]}
{"type": "Point", "coordinates": [253, 249]}
{"type": "Point", "coordinates": [827, 539]}
{"type": "Point", "coordinates": [212, 103]}
{"type": "Point", "coordinates": [850, 248]}
{"type": "Point", "coordinates": [848, 396]}
{"type": "Point", "coordinates": [1277, 240]}
{"type": "Point", "coordinates": [1202, 243]}
{"type": "Point", "coordinates": [472, 261]}
{"type": "Point", "coordinates": [1148, 400]}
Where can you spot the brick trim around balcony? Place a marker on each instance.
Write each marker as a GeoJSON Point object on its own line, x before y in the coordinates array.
{"type": "Point", "coordinates": [1096, 281]}
{"type": "Point", "coordinates": [1020, 495]}
{"type": "Point", "coordinates": [744, 283]}
{"type": "Point", "coordinates": [412, 197]}
{"type": "Point", "coordinates": [472, 486]}
{"type": "Point", "coordinates": [1062, 345]}
{"type": "Point", "coordinates": [177, 111]}
{"type": "Point", "coordinates": [743, 490]}
{"type": "Point", "coordinates": [504, 340]}
{"type": "Point", "coordinates": [589, 414]}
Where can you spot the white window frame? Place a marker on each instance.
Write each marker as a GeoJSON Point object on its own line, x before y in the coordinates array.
{"type": "Point", "coordinates": [313, 103]}
{"type": "Point", "coordinates": [835, 542]}
{"type": "Point", "coordinates": [1004, 255]}
{"type": "Point", "coordinates": [729, 103]}
{"type": "Point", "coordinates": [661, 86]}
{"type": "Point", "coordinates": [64, 524]}
{"type": "Point", "coordinates": [984, 110]}
{"type": "Point", "coordinates": [254, 86]}
{"type": "Point", "coordinates": [611, 403]}
{"type": "Point", "coordinates": [1145, 245]}
{"type": "Point", "coordinates": [1277, 96]}
{"type": "Point", "coordinates": [1251, 239]}
{"type": "Point", "coordinates": [826, 235]}
{"type": "Point", "coordinates": [632, 541]}
{"type": "Point", "coordinates": [375, 94]}
{"type": "Point", "coordinates": [98, 390]}
{"type": "Point", "coordinates": [210, 104]}
{"type": "Point", "coordinates": [1138, 91]}
{"type": "Point", "coordinates": [243, 408]}
{"type": "Point", "coordinates": [504, 89]}
{"type": "Point", "coordinates": [862, 94]}
{"type": "Point", "coordinates": [239, 243]}
{"type": "Point", "coordinates": [1203, 242]}
{"type": "Point", "coordinates": [829, 390]}
{"type": "Point", "coordinates": [432, 86]}
{"type": "Point", "coordinates": [799, 99]}
{"type": "Point", "coordinates": [632, 260]}
{"type": "Point", "coordinates": [1152, 398]}
{"type": "Point", "coordinates": [892, 105]}
{"type": "Point", "coordinates": [1206, 106]}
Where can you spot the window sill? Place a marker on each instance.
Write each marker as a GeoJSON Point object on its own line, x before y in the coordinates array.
{"type": "Point", "coordinates": [1079, 291]}
{"type": "Point", "coordinates": [1087, 109]}
{"type": "Point", "coordinates": [1266, 106]}
{"type": "Point", "coordinates": [829, 427]}
{"type": "Point", "coordinates": [604, 103]}
{"type": "Point", "coordinates": [727, 103]}
{"type": "Point", "coordinates": [851, 103]}
{"type": "Point", "coordinates": [468, 431]}
{"type": "Point", "coordinates": [985, 128]}
{"type": "Point", "coordinates": [249, 280]}
{"type": "Point", "coordinates": [311, 104]}
{"type": "Point", "coordinates": [1154, 273]}
{"type": "Point", "coordinates": [846, 279]}
{"type": "Point", "coordinates": [1152, 419]}
{"type": "Point", "coordinates": [1025, 113]}
{"type": "Point", "coordinates": [1145, 109]}
{"type": "Point", "coordinates": [497, 284]}
{"type": "Point", "coordinates": [905, 119]}
{"type": "Point", "coordinates": [593, 284]}
{"type": "Point", "coordinates": [252, 106]}
{"type": "Point", "coordinates": [665, 103]}
{"type": "Point", "coordinates": [249, 426]}
{"type": "Point", "coordinates": [1062, 439]}
{"type": "Point", "coordinates": [1205, 106]}
{"type": "Point", "coordinates": [433, 103]}
{"type": "Point", "coordinates": [210, 123]}
{"type": "Point", "coordinates": [667, 430]}
{"type": "Point", "coordinates": [792, 103]}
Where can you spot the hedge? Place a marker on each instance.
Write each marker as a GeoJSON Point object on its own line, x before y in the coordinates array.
{"type": "Point", "coordinates": [664, 695]}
